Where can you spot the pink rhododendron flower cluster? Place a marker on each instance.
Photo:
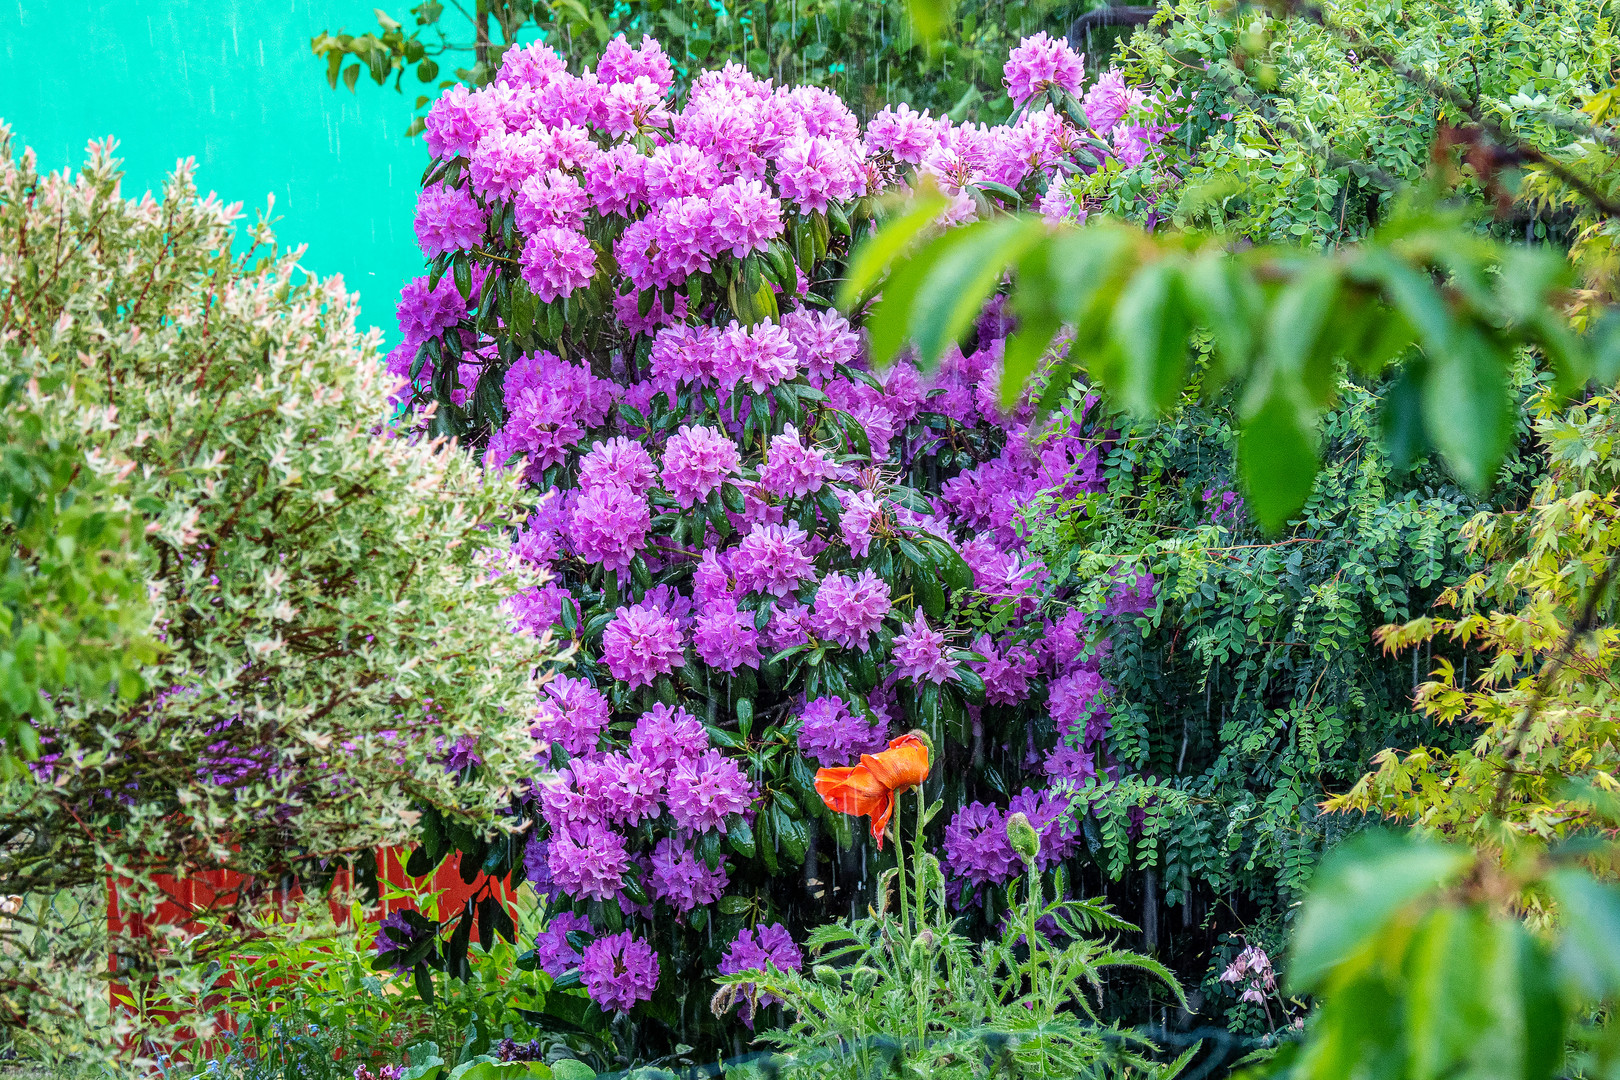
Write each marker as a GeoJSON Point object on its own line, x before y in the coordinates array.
{"type": "Point", "coordinates": [760, 546]}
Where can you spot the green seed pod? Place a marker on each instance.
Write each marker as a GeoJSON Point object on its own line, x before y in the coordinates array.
{"type": "Point", "coordinates": [1023, 838]}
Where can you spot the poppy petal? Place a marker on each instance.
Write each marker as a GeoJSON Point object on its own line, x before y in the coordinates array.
{"type": "Point", "coordinates": [851, 790]}
{"type": "Point", "coordinates": [880, 818]}
{"type": "Point", "coordinates": [903, 765]}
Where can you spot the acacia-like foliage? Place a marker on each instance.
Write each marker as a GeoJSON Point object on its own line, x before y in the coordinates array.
{"type": "Point", "coordinates": [307, 604]}
{"type": "Point", "coordinates": [1539, 701]}
{"type": "Point", "coordinates": [1253, 687]}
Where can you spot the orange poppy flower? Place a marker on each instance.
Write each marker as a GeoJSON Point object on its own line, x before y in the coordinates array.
{"type": "Point", "coordinates": [868, 789]}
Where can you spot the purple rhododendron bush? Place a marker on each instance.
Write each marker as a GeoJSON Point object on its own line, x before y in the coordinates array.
{"type": "Point", "coordinates": [770, 555]}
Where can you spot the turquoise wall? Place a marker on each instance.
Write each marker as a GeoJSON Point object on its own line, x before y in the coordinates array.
{"type": "Point", "coordinates": [233, 84]}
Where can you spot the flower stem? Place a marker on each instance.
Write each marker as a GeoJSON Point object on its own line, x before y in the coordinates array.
{"type": "Point", "coordinates": [917, 861]}
{"type": "Point", "coordinates": [1032, 905]}
{"type": "Point", "coordinates": [900, 874]}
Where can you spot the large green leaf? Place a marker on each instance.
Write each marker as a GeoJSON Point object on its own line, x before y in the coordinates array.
{"type": "Point", "coordinates": [889, 324]}
{"type": "Point", "coordinates": [1150, 328]}
{"type": "Point", "coordinates": [1589, 941]}
{"type": "Point", "coordinates": [1277, 459]}
{"type": "Point", "coordinates": [1359, 887]}
{"type": "Point", "coordinates": [1036, 304]}
{"type": "Point", "coordinates": [1467, 409]}
{"type": "Point", "coordinates": [1228, 303]}
{"type": "Point", "coordinates": [1088, 269]}
{"type": "Point", "coordinates": [962, 276]}
{"type": "Point", "coordinates": [1295, 331]}
{"type": "Point", "coordinates": [1356, 1034]}
{"type": "Point", "coordinates": [871, 260]}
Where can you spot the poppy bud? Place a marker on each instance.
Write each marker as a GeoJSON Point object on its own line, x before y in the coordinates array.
{"type": "Point", "coordinates": [1023, 838]}
{"type": "Point", "coordinates": [864, 979]}
{"type": "Point", "coordinates": [827, 976]}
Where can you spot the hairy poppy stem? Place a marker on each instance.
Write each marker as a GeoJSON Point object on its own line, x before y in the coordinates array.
{"type": "Point", "coordinates": [917, 860]}
{"type": "Point", "coordinates": [900, 876]}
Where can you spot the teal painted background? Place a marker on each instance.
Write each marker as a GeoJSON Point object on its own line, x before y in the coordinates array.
{"type": "Point", "coordinates": [233, 84]}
